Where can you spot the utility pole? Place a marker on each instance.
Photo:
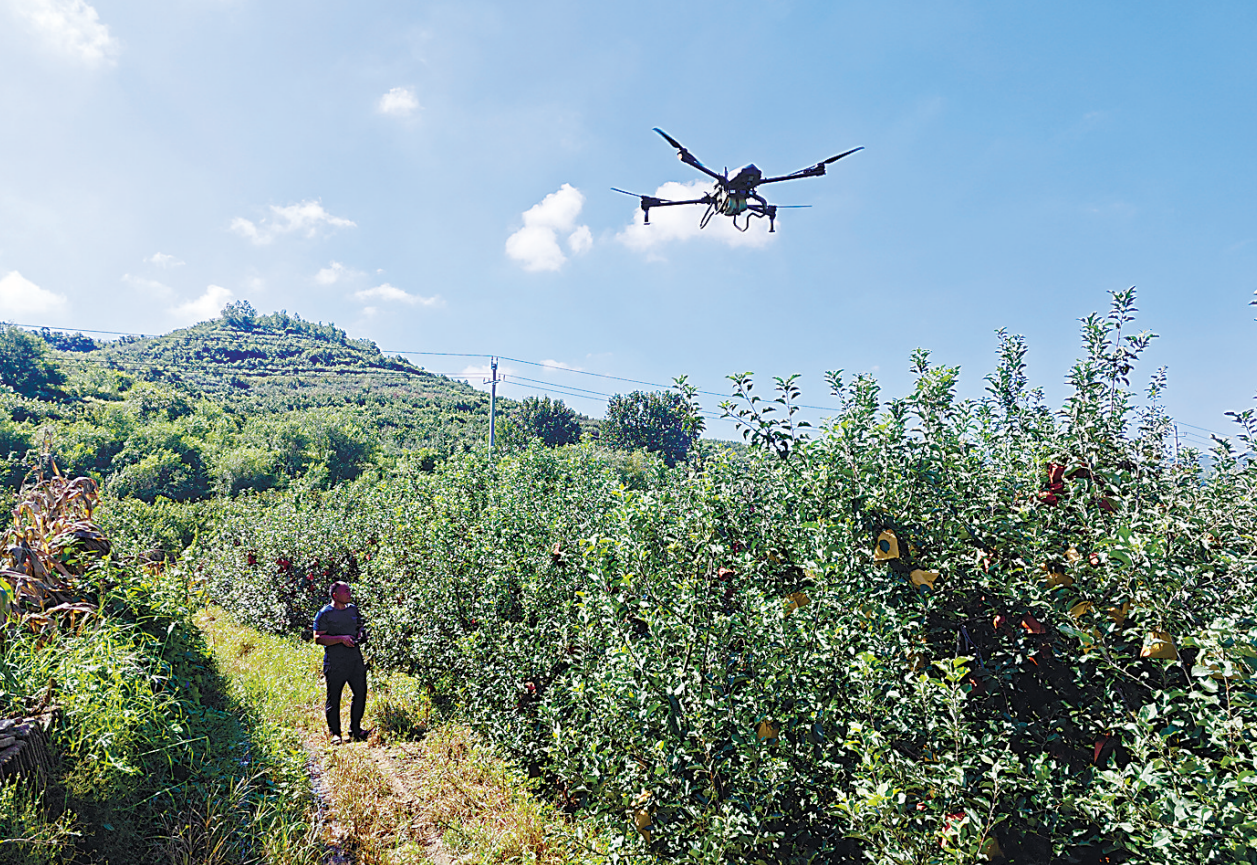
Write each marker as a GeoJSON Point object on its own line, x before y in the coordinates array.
{"type": "Point", "coordinates": [493, 400]}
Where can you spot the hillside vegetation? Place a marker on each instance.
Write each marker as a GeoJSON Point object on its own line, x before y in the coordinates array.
{"type": "Point", "coordinates": [243, 402]}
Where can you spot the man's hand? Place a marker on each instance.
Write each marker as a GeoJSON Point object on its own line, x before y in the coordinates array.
{"type": "Point", "coordinates": [347, 641]}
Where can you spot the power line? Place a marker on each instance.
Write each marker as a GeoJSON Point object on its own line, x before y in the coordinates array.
{"type": "Point", "coordinates": [78, 330]}
{"type": "Point", "coordinates": [612, 377]}
{"type": "Point", "coordinates": [390, 351]}
{"type": "Point", "coordinates": [571, 390]}
{"type": "Point", "coordinates": [1193, 426]}
{"type": "Point", "coordinates": [569, 387]}
{"type": "Point", "coordinates": [550, 388]}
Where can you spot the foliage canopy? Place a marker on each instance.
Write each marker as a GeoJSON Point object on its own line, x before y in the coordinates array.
{"type": "Point", "coordinates": [548, 421]}
{"type": "Point", "coordinates": [25, 364]}
{"type": "Point", "coordinates": [660, 422]}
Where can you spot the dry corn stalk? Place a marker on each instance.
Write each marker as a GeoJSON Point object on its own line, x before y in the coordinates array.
{"type": "Point", "coordinates": [46, 548]}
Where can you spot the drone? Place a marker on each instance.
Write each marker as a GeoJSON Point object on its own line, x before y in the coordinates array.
{"type": "Point", "coordinates": [733, 196]}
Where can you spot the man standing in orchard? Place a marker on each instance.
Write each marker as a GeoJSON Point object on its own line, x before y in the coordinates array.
{"type": "Point", "coordinates": [339, 630]}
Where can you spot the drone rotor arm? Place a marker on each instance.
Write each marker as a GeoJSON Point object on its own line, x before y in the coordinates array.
{"type": "Point", "coordinates": [663, 202]}
{"type": "Point", "coordinates": [649, 201]}
{"type": "Point", "coordinates": [814, 171]}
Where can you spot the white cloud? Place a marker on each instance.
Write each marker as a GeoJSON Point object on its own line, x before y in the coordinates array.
{"type": "Point", "coordinates": [536, 245]}
{"type": "Point", "coordinates": [161, 259]}
{"type": "Point", "coordinates": [535, 248]}
{"type": "Point", "coordinates": [581, 240]}
{"type": "Point", "coordinates": [399, 102]}
{"type": "Point", "coordinates": [549, 365]}
{"type": "Point", "coordinates": [151, 287]}
{"type": "Point", "coordinates": [388, 292]}
{"type": "Point", "coordinates": [205, 307]}
{"type": "Point", "coordinates": [681, 223]}
{"type": "Point", "coordinates": [70, 27]}
{"type": "Point", "coordinates": [20, 297]}
{"type": "Point", "coordinates": [334, 273]}
{"type": "Point", "coordinates": [307, 217]}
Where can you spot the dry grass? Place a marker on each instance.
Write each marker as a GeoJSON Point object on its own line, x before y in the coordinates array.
{"type": "Point", "coordinates": [479, 803]}
{"type": "Point", "coordinates": [447, 798]}
{"type": "Point", "coordinates": [368, 820]}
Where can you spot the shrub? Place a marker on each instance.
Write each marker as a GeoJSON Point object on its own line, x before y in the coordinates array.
{"type": "Point", "coordinates": [25, 364]}
{"type": "Point", "coordinates": [245, 468]}
{"type": "Point", "coordinates": [660, 422]}
{"type": "Point", "coordinates": [161, 473]}
{"type": "Point", "coordinates": [550, 422]}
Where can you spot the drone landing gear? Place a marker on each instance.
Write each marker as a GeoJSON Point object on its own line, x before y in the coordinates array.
{"type": "Point", "coordinates": [707, 215]}
{"type": "Point", "coordinates": [754, 212]}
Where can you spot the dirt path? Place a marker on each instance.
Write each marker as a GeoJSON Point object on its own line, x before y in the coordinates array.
{"type": "Point", "coordinates": [371, 802]}
{"type": "Point", "coordinates": [405, 790]}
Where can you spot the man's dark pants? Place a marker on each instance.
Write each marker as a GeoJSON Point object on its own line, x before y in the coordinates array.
{"type": "Point", "coordinates": [353, 673]}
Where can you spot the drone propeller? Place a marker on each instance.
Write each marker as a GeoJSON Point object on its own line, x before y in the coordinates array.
{"type": "Point", "coordinates": [668, 138]}
{"type": "Point", "coordinates": [814, 171]}
{"type": "Point", "coordinates": [840, 156]}
{"type": "Point", "coordinates": [687, 157]}
{"type": "Point", "coordinates": [626, 192]}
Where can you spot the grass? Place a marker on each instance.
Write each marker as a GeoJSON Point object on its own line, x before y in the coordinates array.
{"type": "Point", "coordinates": [155, 759]}
{"type": "Point", "coordinates": [27, 836]}
{"type": "Point", "coordinates": [416, 792]}
{"type": "Point", "coordinates": [480, 803]}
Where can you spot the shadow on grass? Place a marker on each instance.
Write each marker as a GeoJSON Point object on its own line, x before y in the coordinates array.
{"type": "Point", "coordinates": [159, 759]}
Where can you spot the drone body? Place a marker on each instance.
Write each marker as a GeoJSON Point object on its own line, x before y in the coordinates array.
{"type": "Point", "coordinates": [732, 196]}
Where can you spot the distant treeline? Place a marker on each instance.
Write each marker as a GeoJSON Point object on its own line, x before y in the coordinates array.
{"type": "Point", "coordinates": [256, 402]}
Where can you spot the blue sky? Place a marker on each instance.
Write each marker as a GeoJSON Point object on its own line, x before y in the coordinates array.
{"type": "Point", "coordinates": [373, 164]}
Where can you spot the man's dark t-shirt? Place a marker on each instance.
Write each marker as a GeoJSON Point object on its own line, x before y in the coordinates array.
{"type": "Point", "coordinates": [339, 623]}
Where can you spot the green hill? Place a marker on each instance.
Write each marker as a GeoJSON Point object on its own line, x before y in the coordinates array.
{"type": "Point", "coordinates": [244, 401]}
{"type": "Point", "coordinates": [281, 363]}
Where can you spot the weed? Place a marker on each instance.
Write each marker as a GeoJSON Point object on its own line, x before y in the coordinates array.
{"type": "Point", "coordinates": [399, 708]}
{"type": "Point", "coordinates": [28, 836]}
